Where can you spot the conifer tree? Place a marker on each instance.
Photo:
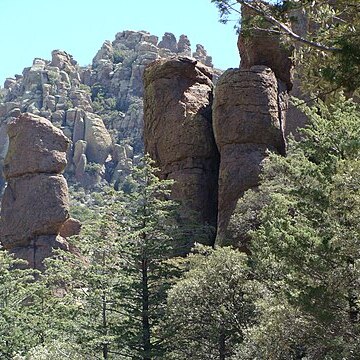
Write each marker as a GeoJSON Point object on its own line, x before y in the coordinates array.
{"type": "Point", "coordinates": [117, 282]}
{"type": "Point", "coordinates": [211, 305]}
{"type": "Point", "coordinates": [16, 287]}
{"type": "Point", "coordinates": [305, 251]}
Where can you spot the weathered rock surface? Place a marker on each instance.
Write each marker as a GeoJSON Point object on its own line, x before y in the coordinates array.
{"type": "Point", "coordinates": [98, 140]}
{"type": "Point", "coordinates": [201, 55]}
{"type": "Point", "coordinates": [32, 149]}
{"type": "Point", "coordinates": [248, 122]}
{"type": "Point", "coordinates": [70, 227]}
{"type": "Point", "coordinates": [35, 204]}
{"type": "Point", "coordinates": [178, 131]}
{"type": "Point", "coordinates": [38, 249]}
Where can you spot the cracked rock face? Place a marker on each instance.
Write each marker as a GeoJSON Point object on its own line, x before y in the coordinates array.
{"type": "Point", "coordinates": [178, 131]}
{"type": "Point", "coordinates": [248, 114]}
{"type": "Point", "coordinates": [35, 204]}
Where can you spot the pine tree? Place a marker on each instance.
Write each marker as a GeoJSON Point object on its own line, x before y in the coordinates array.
{"type": "Point", "coordinates": [149, 235]}
{"type": "Point", "coordinates": [115, 286]}
{"type": "Point", "coordinates": [211, 306]}
{"type": "Point", "coordinates": [16, 288]}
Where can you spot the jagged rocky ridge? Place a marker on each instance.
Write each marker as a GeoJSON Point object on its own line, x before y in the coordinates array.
{"type": "Point", "coordinates": [98, 107]}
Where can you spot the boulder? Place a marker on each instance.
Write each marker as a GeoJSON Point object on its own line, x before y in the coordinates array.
{"type": "Point", "coordinates": [259, 47]}
{"type": "Point", "coordinates": [105, 53]}
{"type": "Point", "coordinates": [33, 205]}
{"type": "Point", "coordinates": [70, 227]}
{"type": "Point", "coordinates": [97, 138]}
{"type": "Point", "coordinates": [184, 46]}
{"type": "Point", "coordinates": [201, 55]}
{"type": "Point", "coordinates": [36, 146]}
{"type": "Point", "coordinates": [169, 42]}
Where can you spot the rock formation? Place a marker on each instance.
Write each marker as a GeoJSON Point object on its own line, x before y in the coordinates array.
{"type": "Point", "coordinates": [248, 116]}
{"type": "Point", "coordinates": [97, 107]}
{"type": "Point", "coordinates": [248, 113]}
{"type": "Point", "coordinates": [259, 47]}
{"type": "Point", "coordinates": [35, 205]}
{"type": "Point", "coordinates": [178, 131]}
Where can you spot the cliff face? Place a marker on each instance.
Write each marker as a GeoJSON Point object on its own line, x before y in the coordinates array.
{"type": "Point", "coordinates": [248, 123]}
{"type": "Point", "coordinates": [99, 107]}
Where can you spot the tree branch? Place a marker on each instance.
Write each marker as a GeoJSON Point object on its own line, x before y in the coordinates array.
{"type": "Point", "coordinates": [285, 29]}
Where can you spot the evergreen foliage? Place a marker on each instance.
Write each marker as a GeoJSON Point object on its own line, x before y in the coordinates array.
{"type": "Point", "coordinates": [328, 52]}
{"type": "Point", "coordinates": [122, 294]}
{"type": "Point", "coordinates": [16, 332]}
{"type": "Point", "coordinates": [119, 277]}
{"type": "Point", "coordinates": [305, 250]}
{"type": "Point", "coordinates": [209, 308]}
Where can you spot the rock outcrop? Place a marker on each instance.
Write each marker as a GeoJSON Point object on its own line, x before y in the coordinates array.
{"type": "Point", "coordinates": [248, 113]}
{"type": "Point", "coordinates": [258, 47]}
{"type": "Point", "coordinates": [97, 107]}
{"type": "Point", "coordinates": [178, 132]}
{"type": "Point", "coordinates": [35, 204]}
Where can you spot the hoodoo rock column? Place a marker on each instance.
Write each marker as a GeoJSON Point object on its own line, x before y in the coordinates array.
{"type": "Point", "coordinates": [178, 132]}
{"type": "Point", "coordinates": [35, 205]}
{"type": "Point", "coordinates": [248, 113]}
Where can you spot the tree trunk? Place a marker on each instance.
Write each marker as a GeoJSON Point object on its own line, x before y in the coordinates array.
{"type": "Point", "coordinates": [105, 346]}
{"type": "Point", "coordinates": [145, 311]}
{"type": "Point", "coordinates": [222, 347]}
{"type": "Point", "coordinates": [352, 293]}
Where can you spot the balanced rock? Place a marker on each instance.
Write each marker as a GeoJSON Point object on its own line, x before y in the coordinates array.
{"type": "Point", "coordinates": [70, 227]}
{"type": "Point", "coordinates": [31, 148]}
{"type": "Point", "coordinates": [178, 131]}
{"type": "Point", "coordinates": [35, 204]}
{"type": "Point", "coordinates": [260, 47]}
{"type": "Point", "coordinates": [184, 46]}
{"type": "Point", "coordinates": [169, 42]}
{"type": "Point", "coordinates": [97, 138]}
{"type": "Point", "coordinates": [248, 113]}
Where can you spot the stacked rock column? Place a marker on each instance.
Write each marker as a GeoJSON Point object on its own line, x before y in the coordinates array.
{"type": "Point", "coordinates": [247, 124]}
{"type": "Point", "coordinates": [35, 205]}
{"type": "Point", "coordinates": [178, 132]}
{"type": "Point", "coordinates": [249, 114]}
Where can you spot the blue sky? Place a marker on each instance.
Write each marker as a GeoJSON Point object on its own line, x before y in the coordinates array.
{"type": "Point", "coordinates": [33, 28]}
